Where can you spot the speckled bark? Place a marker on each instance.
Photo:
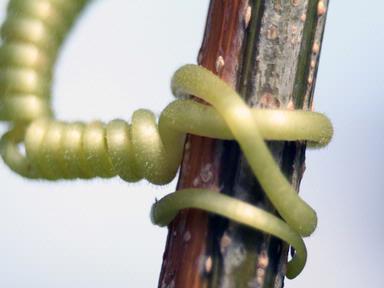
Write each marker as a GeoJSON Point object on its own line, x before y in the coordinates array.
{"type": "Point", "coordinates": [268, 50]}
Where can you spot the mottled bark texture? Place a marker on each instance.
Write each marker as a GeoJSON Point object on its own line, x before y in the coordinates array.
{"type": "Point", "coordinates": [268, 51]}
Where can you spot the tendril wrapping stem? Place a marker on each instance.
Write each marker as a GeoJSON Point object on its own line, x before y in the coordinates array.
{"type": "Point", "coordinates": [32, 36]}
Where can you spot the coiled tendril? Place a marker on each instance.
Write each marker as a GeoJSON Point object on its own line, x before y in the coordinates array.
{"type": "Point", "coordinates": [31, 38]}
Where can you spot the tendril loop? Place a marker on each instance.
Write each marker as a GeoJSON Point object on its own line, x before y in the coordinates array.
{"type": "Point", "coordinates": [32, 35]}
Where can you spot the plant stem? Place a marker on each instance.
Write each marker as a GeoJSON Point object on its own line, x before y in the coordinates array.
{"type": "Point", "coordinates": [267, 50]}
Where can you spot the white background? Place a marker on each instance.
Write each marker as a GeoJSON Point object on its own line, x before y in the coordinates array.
{"type": "Point", "coordinates": [121, 57]}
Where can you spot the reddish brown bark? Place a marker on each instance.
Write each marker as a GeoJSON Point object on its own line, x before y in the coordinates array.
{"type": "Point", "coordinates": [184, 260]}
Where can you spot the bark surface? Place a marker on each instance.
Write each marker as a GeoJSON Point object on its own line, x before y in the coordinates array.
{"type": "Point", "coordinates": [268, 51]}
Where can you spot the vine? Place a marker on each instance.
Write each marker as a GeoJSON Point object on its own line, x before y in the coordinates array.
{"type": "Point", "coordinates": [32, 35]}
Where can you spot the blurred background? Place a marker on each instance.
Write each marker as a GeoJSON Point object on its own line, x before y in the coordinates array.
{"type": "Point", "coordinates": [120, 58]}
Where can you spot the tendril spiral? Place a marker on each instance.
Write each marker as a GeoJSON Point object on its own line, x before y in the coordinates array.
{"type": "Point", "coordinates": [32, 35]}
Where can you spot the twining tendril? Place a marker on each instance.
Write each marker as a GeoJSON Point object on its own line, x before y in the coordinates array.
{"type": "Point", "coordinates": [31, 38]}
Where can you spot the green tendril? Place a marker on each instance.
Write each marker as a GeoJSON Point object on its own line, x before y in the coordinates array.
{"type": "Point", "coordinates": [32, 35]}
